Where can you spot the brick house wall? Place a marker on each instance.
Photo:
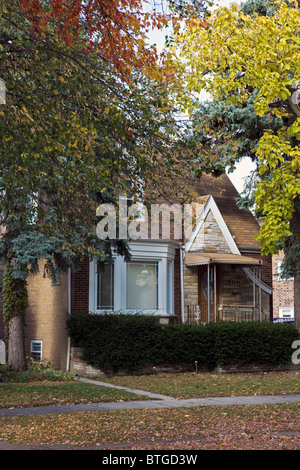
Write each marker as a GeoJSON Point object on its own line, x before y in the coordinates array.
{"type": "Point", "coordinates": [80, 288]}
{"type": "Point", "coordinates": [46, 318]}
{"type": "Point", "coordinates": [267, 266]}
{"type": "Point", "coordinates": [283, 294]}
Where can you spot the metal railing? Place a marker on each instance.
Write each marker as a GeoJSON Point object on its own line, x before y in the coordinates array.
{"type": "Point", "coordinates": [236, 313]}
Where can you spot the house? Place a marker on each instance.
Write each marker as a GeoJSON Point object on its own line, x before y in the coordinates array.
{"type": "Point", "coordinates": [212, 270]}
{"type": "Point", "coordinates": [283, 292]}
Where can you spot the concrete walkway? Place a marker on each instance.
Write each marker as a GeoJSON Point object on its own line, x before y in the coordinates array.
{"type": "Point", "coordinates": [155, 401]}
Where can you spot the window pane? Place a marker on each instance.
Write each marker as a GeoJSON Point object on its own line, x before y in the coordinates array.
{"type": "Point", "coordinates": [142, 286]}
{"type": "Point", "coordinates": [105, 286]}
{"type": "Point", "coordinates": [36, 350]}
{"type": "Point", "coordinates": [170, 288]}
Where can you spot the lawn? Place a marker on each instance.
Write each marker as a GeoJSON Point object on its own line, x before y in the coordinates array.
{"type": "Point", "coordinates": [264, 427]}
{"type": "Point", "coordinates": [268, 427]}
{"type": "Point", "coordinates": [192, 385]}
{"type": "Point", "coordinates": [58, 393]}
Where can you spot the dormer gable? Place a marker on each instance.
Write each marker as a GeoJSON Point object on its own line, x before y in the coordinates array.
{"type": "Point", "coordinates": [211, 233]}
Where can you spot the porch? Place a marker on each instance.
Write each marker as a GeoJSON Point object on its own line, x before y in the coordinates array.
{"type": "Point", "coordinates": [224, 287]}
{"type": "Point", "coordinates": [236, 313]}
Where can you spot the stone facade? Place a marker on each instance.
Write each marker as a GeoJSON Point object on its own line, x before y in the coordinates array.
{"type": "Point", "coordinates": [190, 286]}
{"type": "Point", "coordinates": [233, 294]}
{"type": "Point", "coordinates": [210, 237]}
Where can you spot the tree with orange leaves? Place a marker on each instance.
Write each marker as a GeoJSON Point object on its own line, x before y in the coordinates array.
{"type": "Point", "coordinates": [88, 112]}
{"type": "Point", "coordinates": [116, 29]}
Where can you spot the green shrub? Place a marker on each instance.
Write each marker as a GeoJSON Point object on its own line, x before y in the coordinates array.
{"type": "Point", "coordinates": [130, 342]}
{"type": "Point", "coordinates": [116, 341]}
{"type": "Point", "coordinates": [184, 344]}
{"type": "Point", "coordinates": [34, 373]}
{"type": "Point", "coordinates": [254, 343]}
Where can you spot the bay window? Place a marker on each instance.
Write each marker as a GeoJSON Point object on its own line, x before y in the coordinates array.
{"type": "Point", "coordinates": [142, 285]}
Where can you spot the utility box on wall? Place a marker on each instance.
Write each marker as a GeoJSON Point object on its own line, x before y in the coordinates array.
{"type": "Point", "coordinates": [2, 352]}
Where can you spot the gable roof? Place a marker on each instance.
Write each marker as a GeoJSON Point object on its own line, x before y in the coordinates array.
{"type": "Point", "coordinates": [241, 223]}
{"type": "Point", "coordinates": [211, 206]}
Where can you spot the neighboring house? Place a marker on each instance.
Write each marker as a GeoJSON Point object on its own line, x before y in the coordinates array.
{"type": "Point", "coordinates": [213, 272]}
{"type": "Point", "coordinates": [283, 293]}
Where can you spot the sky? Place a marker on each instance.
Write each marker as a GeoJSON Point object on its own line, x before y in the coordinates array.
{"type": "Point", "coordinates": [243, 169]}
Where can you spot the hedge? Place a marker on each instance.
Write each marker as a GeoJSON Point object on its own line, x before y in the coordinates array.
{"type": "Point", "coordinates": [131, 342]}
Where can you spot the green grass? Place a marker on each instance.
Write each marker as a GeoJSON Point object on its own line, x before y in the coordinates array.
{"type": "Point", "coordinates": [262, 427]}
{"type": "Point", "coordinates": [41, 386]}
{"type": "Point", "coordinates": [192, 385]}
{"type": "Point", "coordinates": [58, 393]}
{"type": "Point", "coordinates": [50, 388]}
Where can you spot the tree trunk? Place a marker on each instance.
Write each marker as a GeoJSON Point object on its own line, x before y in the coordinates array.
{"type": "Point", "coordinates": [297, 300]}
{"type": "Point", "coordinates": [294, 259]}
{"type": "Point", "coordinates": [16, 345]}
{"type": "Point", "coordinates": [15, 303]}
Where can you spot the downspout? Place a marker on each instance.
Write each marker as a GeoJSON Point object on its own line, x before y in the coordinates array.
{"type": "Point", "coordinates": [215, 291]}
{"type": "Point", "coordinates": [260, 312]}
{"type": "Point", "coordinates": [254, 300]}
{"type": "Point", "coordinates": [208, 294]}
{"type": "Point", "coordinates": [181, 282]}
{"type": "Point", "coordinates": [69, 313]}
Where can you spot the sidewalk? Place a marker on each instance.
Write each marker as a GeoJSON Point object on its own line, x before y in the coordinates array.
{"type": "Point", "coordinates": [155, 401]}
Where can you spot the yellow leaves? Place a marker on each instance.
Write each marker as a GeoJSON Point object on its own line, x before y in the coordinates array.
{"type": "Point", "coordinates": [236, 52]}
{"type": "Point", "coordinates": [275, 195]}
{"type": "Point", "coordinates": [25, 113]}
{"type": "Point", "coordinates": [73, 143]}
{"type": "Point", "coordinates": [106, 111]}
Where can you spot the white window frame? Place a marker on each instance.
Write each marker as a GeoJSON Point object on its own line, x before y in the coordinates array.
{"type": "Point", "coordinates": [286, 312]}
{"type": "Point", "coordinates": [40, 343]}
{"type": "Point", "coordinates": [150, 251]}
{"type": "Point", "coordinates": [96, 286]}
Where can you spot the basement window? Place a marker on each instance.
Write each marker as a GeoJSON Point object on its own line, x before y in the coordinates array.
{"type": "Point", "coordinates": [36, 350]}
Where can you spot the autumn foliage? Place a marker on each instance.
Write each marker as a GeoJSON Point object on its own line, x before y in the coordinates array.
{"type": "Point", "coordinates": [117, 30]}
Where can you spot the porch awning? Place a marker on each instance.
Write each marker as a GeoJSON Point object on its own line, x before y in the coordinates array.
{"type": "Point", "coordinates": [196, 259]}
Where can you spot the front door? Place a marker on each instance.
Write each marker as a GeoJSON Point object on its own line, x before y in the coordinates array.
{"type": "Point", "coordinates": [206, 293]}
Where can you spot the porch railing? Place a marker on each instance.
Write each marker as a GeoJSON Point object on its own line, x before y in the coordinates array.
{"type": "Point", "coordinates": [236, 313]}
